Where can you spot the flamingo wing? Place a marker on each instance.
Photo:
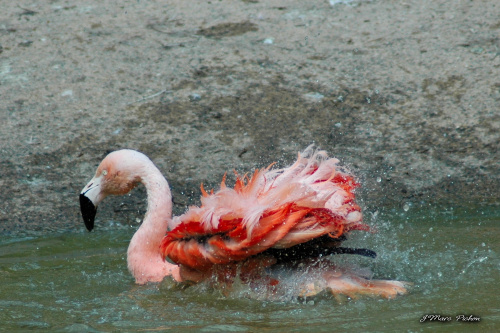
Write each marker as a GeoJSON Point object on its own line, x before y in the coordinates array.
{"type": "Point", "coordinates": [273, 210]}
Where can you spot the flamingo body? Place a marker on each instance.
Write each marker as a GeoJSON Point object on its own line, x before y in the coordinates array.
{"type": "Point", "coordinates": [271, 209]}
{"type": "Point", "coordinates": [291, 215]}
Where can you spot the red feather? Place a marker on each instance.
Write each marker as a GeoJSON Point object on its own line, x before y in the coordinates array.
{"type": "Point", "coordinates": [272, 208]}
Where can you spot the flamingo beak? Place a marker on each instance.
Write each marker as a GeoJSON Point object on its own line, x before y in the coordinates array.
{"type": "Point", "coordinates": [88, 211]}
{"type": "Point", "coordinates": [89, 199]}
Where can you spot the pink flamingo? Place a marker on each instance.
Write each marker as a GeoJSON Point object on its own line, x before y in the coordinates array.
{"type": "Point", "coordinates": [293, 217]}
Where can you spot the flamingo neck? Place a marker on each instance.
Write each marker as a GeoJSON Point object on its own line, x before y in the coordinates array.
{"type": "Point", "coordinates": [145, 261]}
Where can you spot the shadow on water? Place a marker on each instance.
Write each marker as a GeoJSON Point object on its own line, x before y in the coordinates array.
{"type": "Point", "coordinates": [79, 282]}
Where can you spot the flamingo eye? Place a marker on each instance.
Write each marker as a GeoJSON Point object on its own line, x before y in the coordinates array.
{"type": "Point", "coordinates": [104, 172]}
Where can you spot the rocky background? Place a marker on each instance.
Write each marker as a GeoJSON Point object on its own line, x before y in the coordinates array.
{"type": "Point", "coordinates": [404, 93]}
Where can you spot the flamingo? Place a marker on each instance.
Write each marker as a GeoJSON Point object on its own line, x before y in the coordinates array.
{"type": "Point", "coordinates": [294, 217]}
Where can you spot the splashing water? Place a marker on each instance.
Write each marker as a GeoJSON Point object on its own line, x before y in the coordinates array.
{"type": "Point", "coordinates": [80, 282]}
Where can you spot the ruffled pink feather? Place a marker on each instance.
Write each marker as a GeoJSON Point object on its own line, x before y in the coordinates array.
{"type": "Point", "coordinates": [271, 209]}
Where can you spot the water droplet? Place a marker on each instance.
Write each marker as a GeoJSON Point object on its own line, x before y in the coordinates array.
{"type": "Point", "coordinates": [379, 179]}
{"type": "Point", "coordinates": [406, 207]}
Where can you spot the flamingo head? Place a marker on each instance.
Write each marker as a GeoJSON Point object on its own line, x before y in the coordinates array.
{"type": "Point", "coordinates": [117, 174]}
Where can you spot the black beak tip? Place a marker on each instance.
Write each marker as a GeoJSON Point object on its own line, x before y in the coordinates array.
{"type": "Point", "coordinates": [88, 211]}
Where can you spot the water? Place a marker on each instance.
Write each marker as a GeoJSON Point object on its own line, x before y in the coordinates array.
{"type": "Point", "coordinates": [79, 283]}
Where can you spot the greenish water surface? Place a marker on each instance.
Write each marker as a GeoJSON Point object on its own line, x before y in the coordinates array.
{"type": "Point", "coordinates": [78, 282]}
